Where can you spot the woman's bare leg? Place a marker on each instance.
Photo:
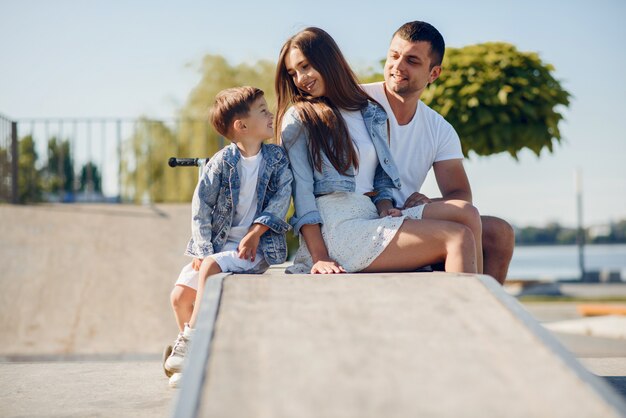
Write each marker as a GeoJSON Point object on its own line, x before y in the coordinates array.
{"type": "Point", "coordinates": [422, 242]}
{"type": "Point", "coordinates": [464, 213]}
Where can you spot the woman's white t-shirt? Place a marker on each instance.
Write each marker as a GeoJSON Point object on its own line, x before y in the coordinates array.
{"type": "Point", "coordinates": [368, 159]}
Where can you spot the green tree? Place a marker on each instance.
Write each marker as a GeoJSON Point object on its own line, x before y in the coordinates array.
{"type": "Point", "coordinates": [5, 175]}
{"type": "Point", "coordinates": [499, 99]}
{"type": "Point", "coordinates": [144, 168]}
{"type": "Point", "coordinates": [90, 178]}
{"type": "Point", "coordinates": [30, 184]}
{"type": "Point", "coordinates": [59, 171]}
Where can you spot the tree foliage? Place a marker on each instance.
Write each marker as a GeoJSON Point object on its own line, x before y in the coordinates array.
{"type": "Point", "coordinates": [499, 99]}
{"type": "Point", "coordinates": [29, 182]}
{"type": "Point", "coordinates": [145, 173]}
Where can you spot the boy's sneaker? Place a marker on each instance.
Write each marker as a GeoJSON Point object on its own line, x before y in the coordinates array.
{"type": "Point", "coordinates": [174, 363]}
{"type": "Point", "coordinates": [166, 353]}
{"type": "Point", "coordinates": [175, 380]}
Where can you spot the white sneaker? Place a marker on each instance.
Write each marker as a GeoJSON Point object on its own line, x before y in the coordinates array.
{"type": "Point", "coordinates": [166, 354]}
{"type": "Point", "coordinates": [174, 363]}
{"type": "Point", "coordinates": [175, 380]}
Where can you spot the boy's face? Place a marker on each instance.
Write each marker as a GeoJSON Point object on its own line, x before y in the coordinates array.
{"type": "Point", "coordinates": [259, 122]}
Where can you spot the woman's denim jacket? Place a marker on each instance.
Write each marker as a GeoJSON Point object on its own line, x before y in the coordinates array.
{"type": "Point", "coordinates": [309, 183]}
{"type": "Point", "coordinates": [217, 194]}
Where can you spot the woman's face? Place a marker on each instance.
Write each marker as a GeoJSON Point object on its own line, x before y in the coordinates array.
{"type": "Point", "coordinates": [304, 76]}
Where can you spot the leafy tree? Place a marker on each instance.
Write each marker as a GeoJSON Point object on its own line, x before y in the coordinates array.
{"type": "Point", "coordinates": [499, 99]}
{"type": "Point", "coordinates": [144, 168]}
{"type": "Point", "coordinates": [90, 178]}
{"type": "Point", "coordinates": [59, 171]}
{"type": "Point", "coordinates": [5, 175]}
{"type": "Point", "coordinates": [30, 184]}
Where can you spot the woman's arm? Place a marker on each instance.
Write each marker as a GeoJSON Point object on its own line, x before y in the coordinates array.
{"type": "Point", "coordinates": [322, 263]}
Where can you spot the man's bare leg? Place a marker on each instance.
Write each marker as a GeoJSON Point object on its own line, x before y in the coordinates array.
{"type": "Point", "coordinates": [498, 245]}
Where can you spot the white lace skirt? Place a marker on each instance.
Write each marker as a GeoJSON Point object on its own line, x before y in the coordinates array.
{"type": "Point", "coordinates": [354, 234]}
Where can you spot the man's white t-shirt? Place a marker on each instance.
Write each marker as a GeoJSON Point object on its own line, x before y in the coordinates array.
{"type": "Point", "coordinates": [246, 206]}
{"type": "Point", "coordinates": [368, 159]}
{"type": "Point", "coordinates": [428, 138]}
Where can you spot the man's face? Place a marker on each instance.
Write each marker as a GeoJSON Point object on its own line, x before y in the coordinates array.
{"type": "Point", "coordinates": [407, 69]}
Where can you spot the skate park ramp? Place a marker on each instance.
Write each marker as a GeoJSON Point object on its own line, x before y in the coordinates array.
{"type": "Point", "coordinates": [84, 310]}
{"type": "Point", "coordinates": [89, 279]}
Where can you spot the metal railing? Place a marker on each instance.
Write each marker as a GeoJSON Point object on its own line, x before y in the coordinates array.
{"type": "Point", "coordinates": [99, 159]}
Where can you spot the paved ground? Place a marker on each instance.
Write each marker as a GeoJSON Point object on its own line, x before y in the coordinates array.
{"type": "Point", "coordinates": [88, 283]}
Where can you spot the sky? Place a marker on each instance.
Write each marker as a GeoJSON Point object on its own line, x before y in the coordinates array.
{"type": "Point", "coordinates": [131, 58]}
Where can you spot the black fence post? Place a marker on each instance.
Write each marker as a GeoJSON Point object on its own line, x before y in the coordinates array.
{"type": "Point", "coordinates": [14, 164]}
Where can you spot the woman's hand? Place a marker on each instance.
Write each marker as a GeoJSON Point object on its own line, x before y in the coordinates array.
{"type": "Point", "coordinates": [394, 212]}
{"type": "Point", "coordinates": [326, 267]}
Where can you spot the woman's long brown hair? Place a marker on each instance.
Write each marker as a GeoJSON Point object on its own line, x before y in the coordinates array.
{"type": "Point", "coordinates": [320, 116]}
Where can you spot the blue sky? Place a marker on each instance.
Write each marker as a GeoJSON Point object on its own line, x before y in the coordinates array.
{"type": "Point", "coordinates": [131, 58]}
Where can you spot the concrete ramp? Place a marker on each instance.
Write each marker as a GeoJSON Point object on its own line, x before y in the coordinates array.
{"type": "Point", "coordinates": [383, 345]}
{"type": "Point", "coordinates": [88, 279]}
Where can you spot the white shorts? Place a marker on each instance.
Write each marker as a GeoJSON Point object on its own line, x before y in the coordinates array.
{"type": "Point", "coordinates": [228, 260]}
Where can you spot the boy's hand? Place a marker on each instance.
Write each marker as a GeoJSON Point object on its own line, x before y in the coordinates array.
{"type": "Point", "coordinates": [248, 245]}
{"type": "Point", "coordinates": [196, 263]}
{"type": "Point", "coordinates": [394, 212]}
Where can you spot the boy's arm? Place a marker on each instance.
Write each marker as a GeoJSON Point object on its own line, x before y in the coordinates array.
{"type": "Point", "coordinates": [274, 213]}
{"type": "Point", "coordinates": [202, 205]}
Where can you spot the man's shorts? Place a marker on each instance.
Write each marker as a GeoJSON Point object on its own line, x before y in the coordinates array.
{"type": "Point", "coordinates": [228, 260]}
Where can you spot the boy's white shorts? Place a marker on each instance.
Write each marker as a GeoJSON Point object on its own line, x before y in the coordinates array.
{"type": "Point", "coordinates": [227, 260]}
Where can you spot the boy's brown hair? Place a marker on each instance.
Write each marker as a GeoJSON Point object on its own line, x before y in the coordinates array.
{"type": "Point", "coordinates": [231, 104]}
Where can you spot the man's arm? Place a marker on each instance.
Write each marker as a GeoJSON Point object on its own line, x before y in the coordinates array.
{"type": "Point", "coordinates": [452, 180]}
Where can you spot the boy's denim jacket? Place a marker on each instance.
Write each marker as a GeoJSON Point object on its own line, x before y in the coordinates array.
{"type": "Point", "coordinates": [217, 194]}
{"type": "Point", "coordinates": [310, 183]}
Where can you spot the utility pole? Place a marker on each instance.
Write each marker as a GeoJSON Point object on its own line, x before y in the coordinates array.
{"type": "Point", "coordinates": [580, 235]}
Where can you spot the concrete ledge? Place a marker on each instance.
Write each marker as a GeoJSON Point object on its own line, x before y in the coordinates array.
{"type": "Point", "coordinates": [372, 345]}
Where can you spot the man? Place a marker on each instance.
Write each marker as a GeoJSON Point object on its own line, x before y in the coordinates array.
{"type": "Point", "coordinates": [420, 138]}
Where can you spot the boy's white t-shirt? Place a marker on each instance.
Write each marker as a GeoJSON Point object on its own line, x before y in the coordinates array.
{"type": "Point", "coordinates": [246, 206]}
{"type": "Point", "coordinates": [368, 160]}
{"type": "Point", "coordinates": [428, 138]}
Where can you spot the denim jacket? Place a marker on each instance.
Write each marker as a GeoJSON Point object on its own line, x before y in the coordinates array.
{"type": "Point", "coordinates": [217, 194]}
{"type": "Point", "coordinates": [310, 183]}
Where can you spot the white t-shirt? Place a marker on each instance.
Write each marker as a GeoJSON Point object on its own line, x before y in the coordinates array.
{"type": "Point", "coordinates": [246, 206]}
{"type": "Point", "coordinates": [368, 160]}
{"type": "Point", "coordinates": [428, 138]}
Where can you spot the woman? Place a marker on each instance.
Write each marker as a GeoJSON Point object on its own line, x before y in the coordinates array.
{"type": "Point", "coordinates": [336, 139]}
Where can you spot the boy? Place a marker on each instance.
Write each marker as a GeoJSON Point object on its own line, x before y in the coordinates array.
{"type": "Point", "coordinates": [238, 209]}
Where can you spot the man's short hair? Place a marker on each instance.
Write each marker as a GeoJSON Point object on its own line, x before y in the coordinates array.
{"type": "Point", "coordinates": [418, 31]}
{"type": "Point", "coordinates": [231, 104]}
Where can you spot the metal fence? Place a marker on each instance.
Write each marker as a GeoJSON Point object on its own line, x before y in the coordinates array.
{"type": "Point", "coordinates": [97, 159]}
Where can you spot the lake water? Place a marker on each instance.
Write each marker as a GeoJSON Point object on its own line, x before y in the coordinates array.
{"type": "Point", "coordinates": [561, 261]}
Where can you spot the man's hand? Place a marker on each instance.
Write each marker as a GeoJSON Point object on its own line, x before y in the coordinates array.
{"type": "Point", "coordinates": [416, 199]}
{"type": "Point", "coordinates": [196, 263]}
{"type": "Point", "coordinates": [326, 267]}
{"type": "Point", "coordinates": [248, 245]}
